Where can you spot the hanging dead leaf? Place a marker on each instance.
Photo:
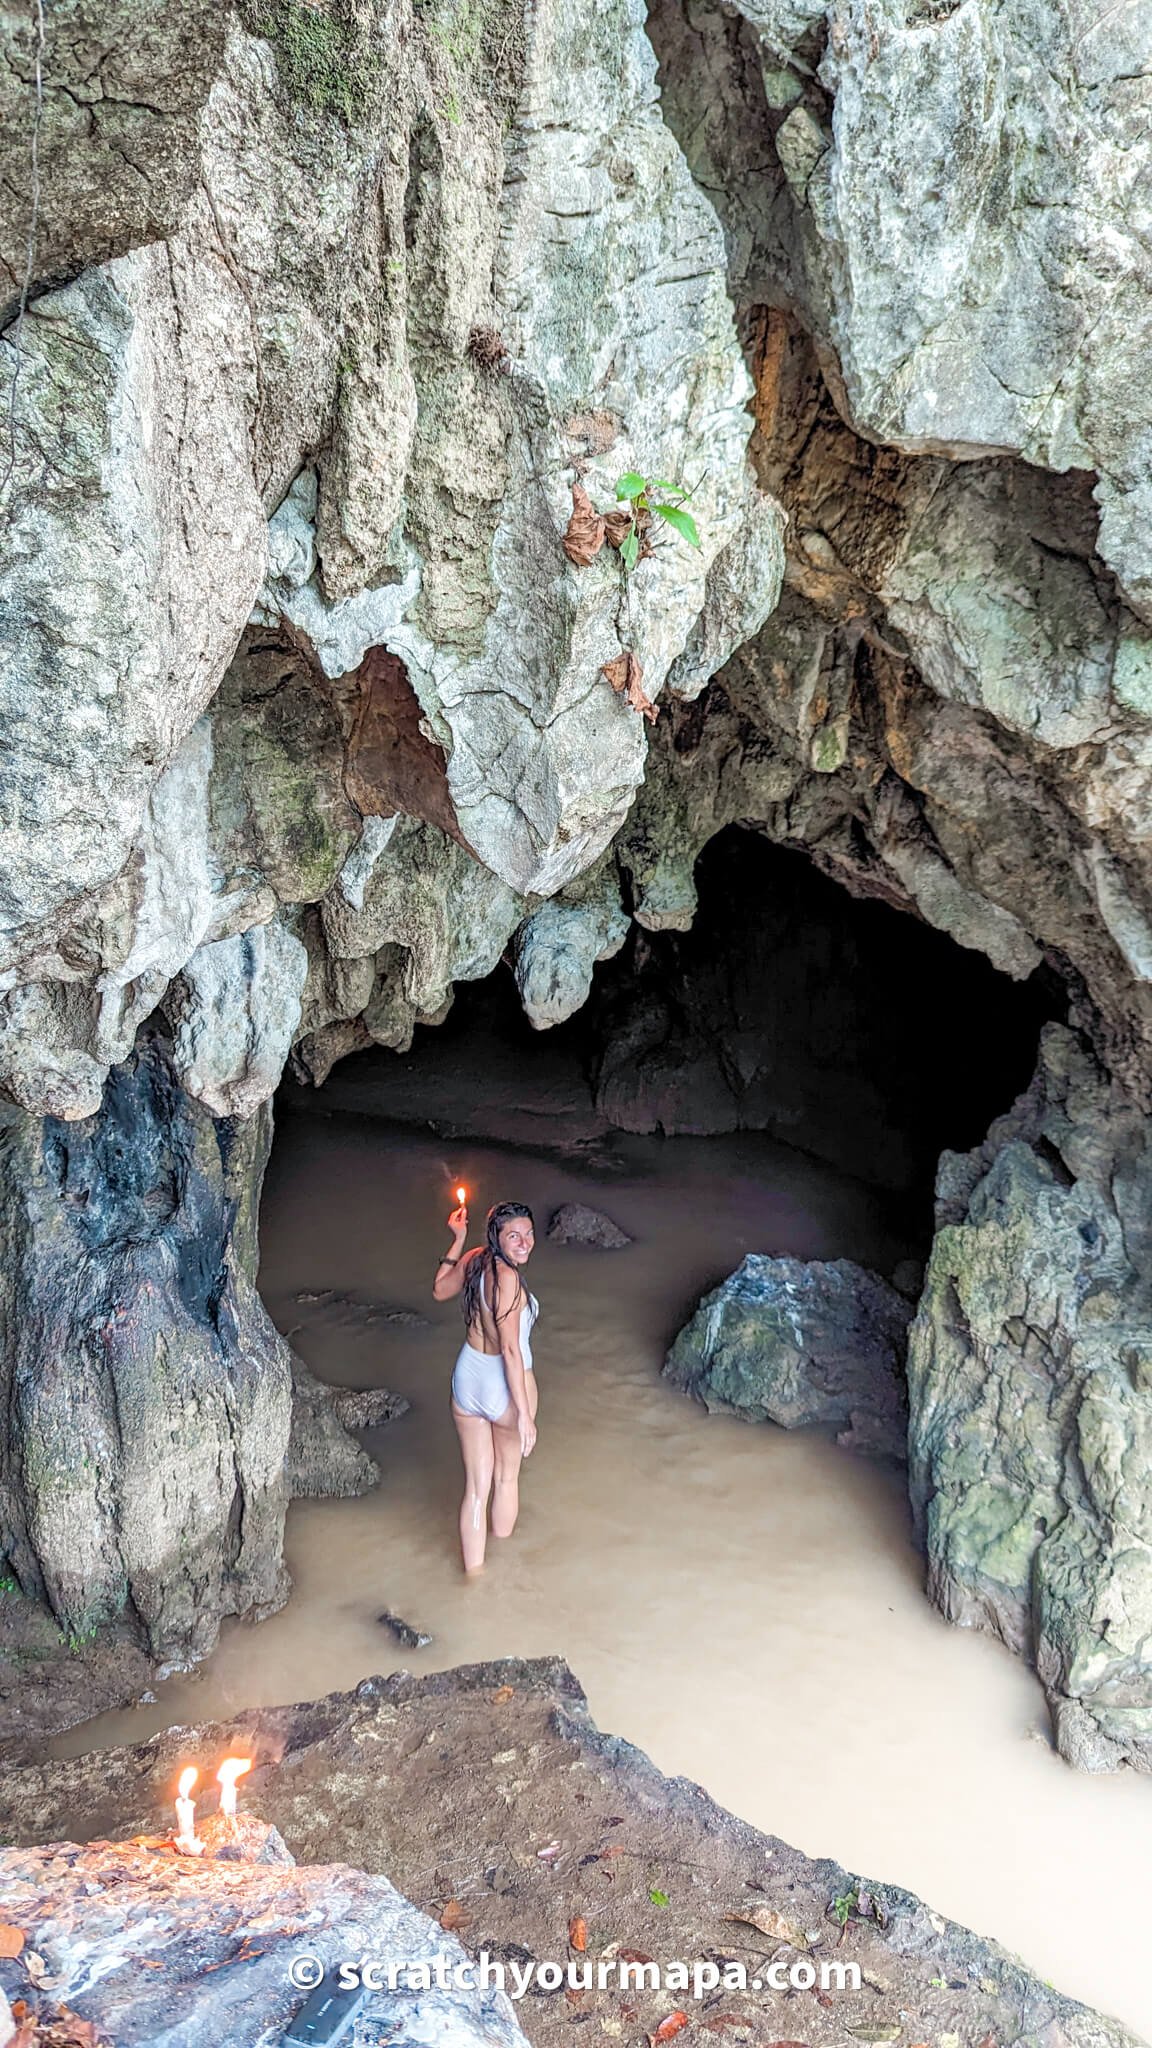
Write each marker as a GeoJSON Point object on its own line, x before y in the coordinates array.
{"type": "Point", "coordinates": [12, 1939]}
{"type": "Point", "coordinates": [454, 1917]}
{"type": "Point", "coordinates": [578, 1934]}
{"type": "Point", "coordinates": [774, 1925]}
{"type": "Point", "coordinates": [616, 525]}
{"type": "Point", "coordinates": [584, 533]}
{"type": "Point", "coordinates": [667, 2028]}
{"type": "Point", "coordinates": [502, 1695]}
{"type": "Point", "coordinates": [626, 676]}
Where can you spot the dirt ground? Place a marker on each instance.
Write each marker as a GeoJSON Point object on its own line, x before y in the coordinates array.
{"type": "Point", "coordinates": [490, 1799]}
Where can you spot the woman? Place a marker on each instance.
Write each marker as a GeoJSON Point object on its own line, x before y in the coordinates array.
{"type": "Point", "coordinates": [493, 1385]}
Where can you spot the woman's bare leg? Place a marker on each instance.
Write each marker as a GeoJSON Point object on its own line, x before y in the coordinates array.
{"type": "Point", "coordinates": [506, 1442]}
{"type": "Point", "coordinates": [476, 1449]}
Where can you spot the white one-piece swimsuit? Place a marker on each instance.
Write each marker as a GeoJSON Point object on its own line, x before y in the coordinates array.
{"type": "Point", "coordinates": [479, 1382]}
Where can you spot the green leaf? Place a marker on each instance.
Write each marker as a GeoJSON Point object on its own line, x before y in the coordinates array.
{"type": "Point", "coordinates": [659, 1898]}
{"type": "Point", "coordinates": [682, 521]}
{"type": "Point", "coordinates": [631, 486]}
{"type": "Point", "coordinates": [629, 549]}
{"type": "Point", "coordinates": [661, 483]}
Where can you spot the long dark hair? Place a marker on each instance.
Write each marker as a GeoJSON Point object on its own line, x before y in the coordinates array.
{"type": "Point", "coordinates": [483, 1260]}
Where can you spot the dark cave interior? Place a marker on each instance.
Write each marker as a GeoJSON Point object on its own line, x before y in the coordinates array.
{"type": "Point", "coordinates": [839, 1026]}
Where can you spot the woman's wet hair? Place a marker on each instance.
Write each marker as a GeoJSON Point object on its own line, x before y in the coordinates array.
{"type": "Point", "coordinates": [483, 1260]}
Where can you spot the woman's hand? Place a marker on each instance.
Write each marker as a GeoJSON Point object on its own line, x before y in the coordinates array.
{"type": "Point", "coordinates": [527, 1433]}
{"type": "Point", "coordinates": [458, 1223]}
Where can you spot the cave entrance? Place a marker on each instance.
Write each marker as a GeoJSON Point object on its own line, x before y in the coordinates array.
{"type": "Point", "coordinates": [840, 1027]}
{"type": "Point", "coordinates": [730, 1596]}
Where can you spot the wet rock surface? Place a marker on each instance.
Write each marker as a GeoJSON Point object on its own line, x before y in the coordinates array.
{"type": "Point", "coordinates": [493, 1803]}
{"type": "Point", "coordinates": [576, 1223]}
{"type": "Point", "coordinates": [798, 1343]}
{"type": "Point", "coordinates": [1030, 1380]}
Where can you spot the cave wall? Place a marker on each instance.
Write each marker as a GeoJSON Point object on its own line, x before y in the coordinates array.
{"type": "Point", "coordinates": [328, 307]}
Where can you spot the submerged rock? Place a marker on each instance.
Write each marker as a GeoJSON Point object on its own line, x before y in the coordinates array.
{"type": "Point", "coordinates": [404, 1631]}
{"type": "Point", "coordinates": [796, 1343]}
{"type": "Point", "coordinates": [576, 1223]}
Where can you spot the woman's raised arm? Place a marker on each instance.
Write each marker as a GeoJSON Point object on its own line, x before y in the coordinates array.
{"type": "Point", "coordinates": [450, 1272]}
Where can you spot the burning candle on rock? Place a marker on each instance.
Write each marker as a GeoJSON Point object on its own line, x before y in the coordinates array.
{"type": "Point", "coordinates": [233, 1767]}
{"type": "Point", "coordinates": [186, 1838]}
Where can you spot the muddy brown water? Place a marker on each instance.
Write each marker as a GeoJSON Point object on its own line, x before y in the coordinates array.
{"type": "Point", "coordinates": [743, 1603]}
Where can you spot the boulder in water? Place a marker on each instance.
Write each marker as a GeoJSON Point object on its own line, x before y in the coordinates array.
{"type": "Point", "coordinates": [576, 1223]}
{"type": "Point", "coordinates": [795, 1342]}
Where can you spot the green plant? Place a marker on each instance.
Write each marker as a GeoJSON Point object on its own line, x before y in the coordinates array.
{"type": "Point", "coordinates": [8, 1584]}
{"type": "Point", "coordinates": [843, 1905]}
{"type": "Point", "coordinates": [658, 1897]}
{"type": "Point", "coordinates": [77, 1641]}
{"type": "Point", "coordinates": [639, 495]}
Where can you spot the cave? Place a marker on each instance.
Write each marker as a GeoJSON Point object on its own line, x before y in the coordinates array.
{"type": "Point", "coordinates": [841, 1026]}
{"type": "Point", "coordinates": [576, 621]}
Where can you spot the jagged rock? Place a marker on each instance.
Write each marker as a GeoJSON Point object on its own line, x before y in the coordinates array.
{"type": "Point", "coordinates": [123, 88]}
{"type": "Point", "coordinates": [576, 1223]}
{"type": "Point", "coordinates": [147, 1393]}
{"type": "Point", "coordinates": [1030, 1383]}
{"type": "Point", "coordinates": [506, 1753]}
{"type": "Point", "coordinates": [320, 1457]}
{"type": "Point", "coordinates": [161, 1931]}
{"type": "Point", "coordinates": [800, 1343]}
{"type": "Point", "coordinates": [412, 1638]}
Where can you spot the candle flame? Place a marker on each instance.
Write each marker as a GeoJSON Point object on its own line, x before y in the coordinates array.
{"type": "Point", "coordinates": [188, 1778]}
{"type": "Point", "coordinates": [233, 1767]}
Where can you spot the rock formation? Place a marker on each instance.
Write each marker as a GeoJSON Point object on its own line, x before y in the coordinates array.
{"type": "Point", "coordinates": [420, 1780]}
{"type": "Point", "coordinates": [316, 313]}
{"type": "Point", "coordinates": [799, 1343]}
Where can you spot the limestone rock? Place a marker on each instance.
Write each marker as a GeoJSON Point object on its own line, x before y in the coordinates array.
{"type": "Point", "coordinates": [322, 1458]}
{"type": "Point", "coordinates": [800, 1343]}
{"type": "Point", "coordinates": [576, 1223]}
{"type": "Point", "coordinates": [147, 1392]}
{"type": "Point", "coordinates": [102, 1910]}
{"type": "Point", "coordinates": [1030, 1383]}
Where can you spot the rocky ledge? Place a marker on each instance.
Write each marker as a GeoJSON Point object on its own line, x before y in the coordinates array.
{"type": "Point", "coordinates": [492, 1801]}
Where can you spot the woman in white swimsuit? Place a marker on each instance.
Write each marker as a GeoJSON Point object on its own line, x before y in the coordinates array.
{"type": "Point", "coordinates": [493, 1385]}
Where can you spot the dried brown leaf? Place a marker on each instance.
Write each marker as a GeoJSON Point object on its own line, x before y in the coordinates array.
{"type": "Point", "coordinates": [667, 2028]}
{"type": "Point", "coordinates": [584, 533]}
{"type": "Point", "coordinates": [613, 1849]}
{"type": "Point", "coordinates": [502, 1695]}
{"type": "Point", "coordinates": [12, 1939]}
{"type": "Point", "coordinates": [626, 676]}
{"type": "Point", "coordinates": [578, 1934]}
{"type": "Point", "coordinates": [774, 1925]}
{"type": "Point", "coordinates": [633, 1955]}
{"type": "Point", "coordinates": [455, 1916]}
{"type": "Point", "coordinates": [719, 2020]}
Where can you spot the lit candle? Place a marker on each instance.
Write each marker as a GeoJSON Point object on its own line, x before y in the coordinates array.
{"type": "Point", "coordinates": [186, 1840]}
{"type": "Point", "coordinates": [233, 1767]}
